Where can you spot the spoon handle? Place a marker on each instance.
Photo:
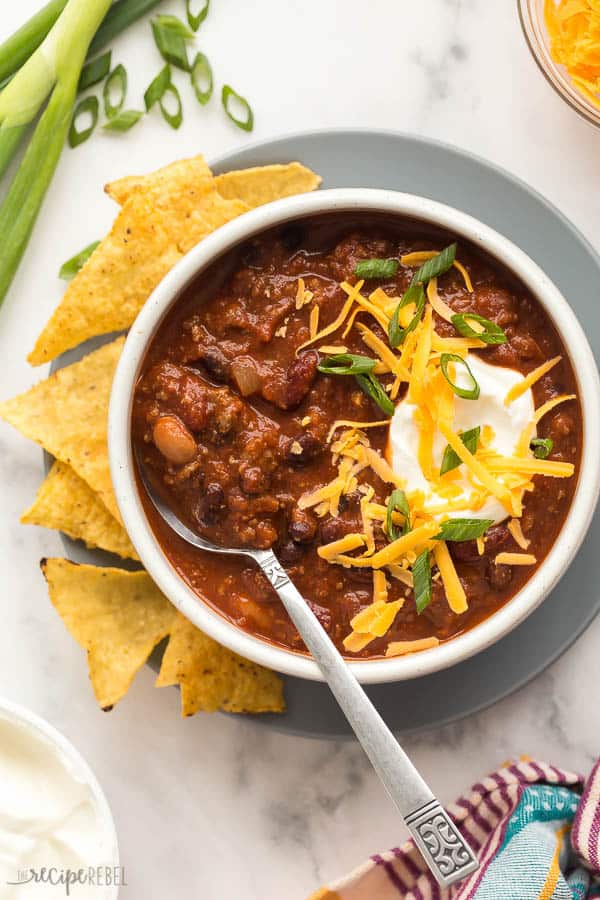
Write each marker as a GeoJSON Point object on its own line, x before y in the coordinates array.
{"type": "Point", "coordinates": [444, 849]}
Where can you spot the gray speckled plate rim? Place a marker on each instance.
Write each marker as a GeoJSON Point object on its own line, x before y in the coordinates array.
{"type": "Point", "coordinates": [346, 158]}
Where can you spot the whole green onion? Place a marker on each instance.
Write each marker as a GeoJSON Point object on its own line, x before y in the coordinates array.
{"type": "Point", "coordinates": [229, 97]}
{"type": "Point", "coordinates": [18, 48]}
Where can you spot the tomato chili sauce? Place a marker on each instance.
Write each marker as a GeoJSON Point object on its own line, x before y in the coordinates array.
{"type": "Point", "coordinates": [242, 422]}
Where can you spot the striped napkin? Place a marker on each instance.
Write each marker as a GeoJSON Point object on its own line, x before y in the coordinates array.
{"type": "Point", "coordinates": [534, 828]}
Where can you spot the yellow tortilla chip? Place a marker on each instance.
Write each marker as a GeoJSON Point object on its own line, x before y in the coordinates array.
{"type": "Point", "coordinates": [263, 184]}
{"type": "Point", "coordinates": [151, 233]}
{"type": "Point", "coordinates": [191, 169]}
{"type": "Point", "coordinates": [117, 616]}
{"type": "Point", "coordinates": [67, 503]}
{"type": "Point", "coordinates": [67, 415]}
{"type": "Point", "coordinates": [212, 677]}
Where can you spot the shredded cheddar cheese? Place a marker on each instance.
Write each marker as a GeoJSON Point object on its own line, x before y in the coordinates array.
{"type": "Point", "coordinates": [313, 322]}
{"type": "Point", "coordinates": [401, 648]}
{"type": "Point", "coordinates": [574, 32]}
{"type": "Point", "coordinates": [457, 599]}
{"type": "Point", "coordinates": [514, 527]}
{"type": "Point", "coordinates": [515, 559]}
{"type": "Point", "coordinates": [519, 389]}
{"type": "Point", "coordinates": [441, 308]}
{"type": "Point", "coordinates": [348, 542]}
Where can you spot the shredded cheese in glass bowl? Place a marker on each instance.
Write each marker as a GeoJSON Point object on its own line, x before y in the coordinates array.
{"type": "Point", "coordinates": [564, 39]}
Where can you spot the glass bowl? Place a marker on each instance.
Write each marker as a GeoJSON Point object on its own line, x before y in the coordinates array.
{"type": "Point", "coordinates": [531, 13]}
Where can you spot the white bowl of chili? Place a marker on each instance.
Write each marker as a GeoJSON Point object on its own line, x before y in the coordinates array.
{"type": "Point", "coordinates": [564, 529]}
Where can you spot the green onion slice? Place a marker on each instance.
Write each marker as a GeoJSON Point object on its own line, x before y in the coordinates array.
{"type": "Point", "coordinates": [397, 503]}
{"type": "Point", "coordinates": [124, 120]}
{"type": "Point", "coordinates": [463, 529]}
{"type": "Point", "coordinates": [94, 71]}
{"type": "Point", "coordinates": [436, 266]}
{"type": "Point", "coordinates": [421, 572]}
{"type": "Point", "coordinates": [71, 267]}
{"type": "Point", "coordinates": [173, 118]}
{"type": "Point", "coordinates": [88, 106]}
{"type": "Point", "coordinates": [171, 42]}
{"type": "Point", "coordinates": [415, 294]}
{"type": "Point", "coordinates": [471, 393]}
{"type": "Point", "coordinates": [373, 389]}
{"type": "Point", "coordinates": [117, 82]}
{"type": "Point", "coordinates": [376, 268]}
{"type": "Point", "coordinates": [157, 87]}
{"type": "Point", "coordinates": [202, 78]}
{"type": "Point", "coordinates": [229, 99]}
{"type": "Point", "coordinates": [174, 25]}
{"type": "Point", "coordinates": [346, 364]}
{"type": "Point", "coordinates": [542, 447]}
{"type": "Point", "coordinates": [196, 19]}
{"type": "Point", "coordinates": [450, 459]}
{"type": "Point", "coordinates": [492, 333]}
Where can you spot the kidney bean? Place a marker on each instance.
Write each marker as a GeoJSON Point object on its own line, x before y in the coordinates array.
{"type": "Point", "coordinates": [174, 440]}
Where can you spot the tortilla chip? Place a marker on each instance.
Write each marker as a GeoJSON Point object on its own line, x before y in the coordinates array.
{"type": "Point", "coordinates": [153, 230]}
{"type": "Point", "coordinates": [67, 503]}
{"type": "Point", "coordinates": [194, 168]}
{"type": "Point", "coordinates": [117, 616]}
{"type": "Point", "coordinates": [263, 184]}
{"type": "Point", "coordinates": [67, 415]}
{"type": "Point", "coordinates": [212, 677]}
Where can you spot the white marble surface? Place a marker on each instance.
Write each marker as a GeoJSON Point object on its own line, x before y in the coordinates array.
{"type": "Point", "coordinates": [216, 807]}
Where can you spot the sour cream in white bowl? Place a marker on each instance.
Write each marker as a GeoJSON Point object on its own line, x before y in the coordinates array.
{"type": "Point", "coordinates": [57, 835]}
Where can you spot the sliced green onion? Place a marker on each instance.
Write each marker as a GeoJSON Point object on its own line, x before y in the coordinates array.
{"type": "Point", "coordinates": [542, 447]}
{"type": "Point", "coordinates": [471, 393]}
{"type": "Point", "coordinates": [173, 118]}
{"type": "Point", "coordinates": [376, 268]}
{"type": "Point", "coordinates": [202, 78]}
{"type": "Point", "coordinates": [117, 79]}
{"type": "Point", "coordinates": [397, 503]}
{"type": "Point", "coordinates": [463, 529]}
{"type": "Point", "coordinates": [157, 87]}
{"type": "Point", "coordinates": [346, 364]}
{"type": "Point", "coordinates": [450, 459]}
{"type": "Point", "coordinates": [415, 294]}
{"type": "Point", "coordinates": [87, 107]}
{"type": "Point", "coordinates": [175, 25]}
{"type": "Point", "coordinates": [196, 19]}
{"type": "Point", "coordinates": [436, 266]}
{"type": "Point", "coordinates": [373, 389]}
{"type": "Point", "coordinates": [94, 71]}
{"type": "Point", "coordinates": [421, 573]}
{"type": "Point", "coordinates": [71, 267]}
{"type": "Point", "coordinates": [124, 120]}
{"type": "Point", "coordinates": [171, 43]}
{"type": "Point", "coordinates": [492, 333]}
{"type": "Point", "coordinates": [229, 97]}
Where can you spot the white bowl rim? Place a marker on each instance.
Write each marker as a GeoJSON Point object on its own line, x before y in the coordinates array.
{"type": "Point", "coordinates": [18, 714]}
{"type": "Point", "coordinates": [398, 204]}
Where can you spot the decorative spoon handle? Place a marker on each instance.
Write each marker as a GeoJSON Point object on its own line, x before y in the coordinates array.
{"type": "Point", "coordinates": [443, 847]}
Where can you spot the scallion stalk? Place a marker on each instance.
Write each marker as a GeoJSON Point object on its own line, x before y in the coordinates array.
{"type": "Point", "coordinates": [10, 138]}
{"type": "Point", "coordinates": [18, 48]}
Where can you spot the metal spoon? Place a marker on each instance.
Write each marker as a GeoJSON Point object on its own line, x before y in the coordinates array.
{"type": "Point", "coordinates": [444, 849]}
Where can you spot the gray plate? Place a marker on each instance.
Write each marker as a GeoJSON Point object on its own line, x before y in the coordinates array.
{"type": "Point", "coordinates": [405, 163]}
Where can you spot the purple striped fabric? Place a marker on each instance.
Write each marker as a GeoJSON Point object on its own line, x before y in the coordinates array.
{"type": "Point", "coordinates": [482, 815]}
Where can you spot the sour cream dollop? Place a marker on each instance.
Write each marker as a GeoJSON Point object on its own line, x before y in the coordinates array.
{"type": "Point", "coordinates": [507, 423]}
{"type": "Point", "coordinates": [51, 817]}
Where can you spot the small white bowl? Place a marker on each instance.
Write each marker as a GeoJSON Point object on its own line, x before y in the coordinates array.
{"type": "Point", "coordinates": [399, 205]}
{"type": "Point", "coordinates": [37, 737]}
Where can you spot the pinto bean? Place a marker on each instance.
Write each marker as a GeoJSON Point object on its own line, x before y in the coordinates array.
{"type": "Point", "coordinates": [174, 440]}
